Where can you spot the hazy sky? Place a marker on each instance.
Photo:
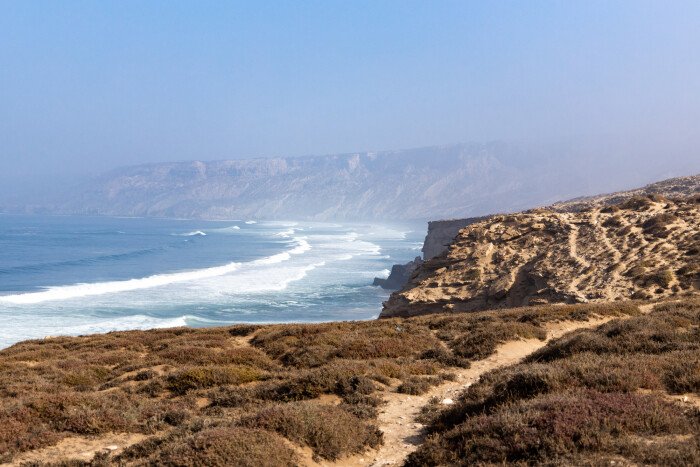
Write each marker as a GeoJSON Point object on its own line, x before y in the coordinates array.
{"type": "Point", "coordinates": [86, 86]}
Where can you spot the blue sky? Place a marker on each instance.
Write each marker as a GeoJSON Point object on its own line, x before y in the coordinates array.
{"type": "Point", "coordinates": [89, 85]}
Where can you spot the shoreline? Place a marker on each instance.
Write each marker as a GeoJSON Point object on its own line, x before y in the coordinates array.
{"type": "Point", "coordinates": [300, 287]}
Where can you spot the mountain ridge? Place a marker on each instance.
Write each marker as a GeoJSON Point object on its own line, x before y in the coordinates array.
{"type": "Point", "coordinates": [458, 180]}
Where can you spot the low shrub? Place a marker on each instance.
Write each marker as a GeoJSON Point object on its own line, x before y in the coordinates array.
{"type": "Point", "coordinates": [555, 426]}
{"type": "Point", "coordinates": [328, 430]}
{"type": "Point", "coordinates": [682, 375]}
{"type": "Point", "coordinates": [587, 398]}
{"type": "Point", "coordinates": [145, 375]}
{"type": "Point", "coordinates": [480, 342]}
{"type": "Point", "coordinates": [414, 386]}
{"type": "Point", "coordinates": [243, 329]}
{"type": "Point", "coordinates": [223, 446]}
{"type": "Point", "coordinates": [657, 225]}
{"type": "Point", "coordinates": [203, 377]}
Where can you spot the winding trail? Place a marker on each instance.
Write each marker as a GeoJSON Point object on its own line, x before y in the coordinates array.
{"type": "Point", "coordinates": [81, 448]}
{"type": "Point", "coordinates": [583, 264]}
{"type": "Point", "coordinates": [402, 435]}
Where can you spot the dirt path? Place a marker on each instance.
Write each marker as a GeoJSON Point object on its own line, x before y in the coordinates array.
{"type": "Point", "coordinates": [573, 247]}
{"type": "Point", "coordinates": [584, 265]}
{"type": "Point", "coordinates": [79, 447]}
{"type": "Point", "coordinates": [402, 434]}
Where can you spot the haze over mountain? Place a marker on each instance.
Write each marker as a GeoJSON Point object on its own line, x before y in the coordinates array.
{"type": "Point", "coordinates": [85, 88]}
{"type": "Point", "coordinates": [426, 183]}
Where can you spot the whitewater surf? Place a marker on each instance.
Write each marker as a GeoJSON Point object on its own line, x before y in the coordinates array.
{"type": "Point", "coordinates": [76, 275]}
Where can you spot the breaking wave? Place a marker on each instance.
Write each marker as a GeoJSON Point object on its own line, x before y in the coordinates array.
{"type": "Point", "coordinates": [66, 292]}
{"type": "Point", "coordinates": [192, 234]}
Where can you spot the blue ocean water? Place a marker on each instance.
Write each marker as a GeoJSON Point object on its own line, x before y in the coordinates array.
{"type": "Point", "coordinates": [81, 275]}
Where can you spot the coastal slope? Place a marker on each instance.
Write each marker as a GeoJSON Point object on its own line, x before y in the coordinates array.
{"type": "Point", "coordinates": [441, 233]}
{"type": "Point", "coordinates": [645, 247]}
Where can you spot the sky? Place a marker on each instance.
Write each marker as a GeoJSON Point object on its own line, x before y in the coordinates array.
{"type": "Point", "coordinates": [86, 86]}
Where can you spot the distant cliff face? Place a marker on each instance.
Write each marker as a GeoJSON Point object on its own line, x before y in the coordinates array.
{"type": "Point", "coordinates": [462, 180]}
{"type": "Point", "coordinates": [398, 185]}
{"type": "Point", "coordinates": [645, 247]}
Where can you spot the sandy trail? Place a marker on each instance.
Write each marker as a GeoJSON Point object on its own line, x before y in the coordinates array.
{"type": "Point", "coordinates": [402, 434]}
{"type": "Point", "coordinates": [80, 448]}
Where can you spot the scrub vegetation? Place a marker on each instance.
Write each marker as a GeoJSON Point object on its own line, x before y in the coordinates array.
{"type": "Point", "coordinates": [260, 393]}
{"type": "Point", "coordinates": [623, 393]}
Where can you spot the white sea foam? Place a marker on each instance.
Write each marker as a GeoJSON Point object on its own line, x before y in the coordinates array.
{"type": "Point", "coordinates": [67, 292]}
{"type": "Point", "coordinates": [24, 327]}
{"type": "Point", "coordinates": [388, 233]}
{"type": "Point", "coordinates": [285, 233]}
{"type": "Point", "coordinates": [301, 248]}
{"type": "Point", "coordinates": [345, 246]}
{"type": "Point", "coordinates": [192, 234]}
{"type": "Point", "coordinates": [127, 323]}
{"type": "Point", "coordinates": [250, 222]}
{"type": "Point", "coordinates": [344, 257]}
{"type": "Point", "coordinates": [384, 273]}
{"type": "Point", "coordinates": [264, 280]}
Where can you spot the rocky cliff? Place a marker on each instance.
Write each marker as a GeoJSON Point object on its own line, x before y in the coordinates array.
{"type": "Point", "coordinates": [442, 233]}
{"type": "Point", "coordinates": [462, 180]}
{"type": "Point", "coordinates": [399, 275]}
{"type": "Point", "coordinates": [644, 247]}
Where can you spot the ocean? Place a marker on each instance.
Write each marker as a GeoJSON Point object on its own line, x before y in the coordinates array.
{"type": "Point", "coordinates": [63, 275]}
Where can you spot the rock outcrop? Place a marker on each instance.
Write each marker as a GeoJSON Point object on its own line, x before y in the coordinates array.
{"type": "Point", "coordinates": [441, 234]}
{"type": "Point", "coordinates": [645, 247]}
{"type": "Point", "coordinates": [399, 275]}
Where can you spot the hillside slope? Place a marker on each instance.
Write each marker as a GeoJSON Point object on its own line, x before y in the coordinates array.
{"type": "Point", "coordinates": [645, 247]}
{"type": "Point", "coordinates": [425, 183]}
{"type": "Point", "coordinates": [669, 188]}
{"type": "Point", "coordinates": [622, 394]}
{"type": "Point", "coordinates": [273, 395]}
{"type": "Point", "coordinates": [441, 233]}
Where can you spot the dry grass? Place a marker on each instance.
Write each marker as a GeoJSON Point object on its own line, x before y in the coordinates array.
{"type": "Point", "coordinates": [589, 397]}
{"type": "Point", "coordinates": [193, 384]}
{"type": "Point", "coordinates": [330, 431]}
{"type": "Point", "coordinates": [215, 446]}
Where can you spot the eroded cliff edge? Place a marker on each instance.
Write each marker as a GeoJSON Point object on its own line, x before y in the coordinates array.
{"type": "Point", "coordinates": [633, 244]}
{"type": "Point", "coordinates": [442, 233]}
{"type": "Point", "coordinates": [438, 239]}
